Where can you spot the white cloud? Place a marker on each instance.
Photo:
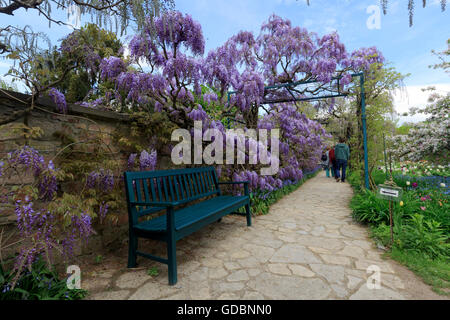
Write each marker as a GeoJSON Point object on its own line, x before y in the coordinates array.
{"type": "Point", "coordinates": [413, 96]}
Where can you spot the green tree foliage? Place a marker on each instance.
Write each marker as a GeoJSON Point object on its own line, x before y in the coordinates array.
{"type": "Point", "coordinates": [403, 129]}
{"type": "Point", "coordinates": [82, 80]}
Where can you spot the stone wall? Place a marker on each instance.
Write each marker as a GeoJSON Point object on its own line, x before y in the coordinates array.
{"type": "Point", "coordinates": [79, 130]}
{"type": "Point", "coordinates": [79, 124]}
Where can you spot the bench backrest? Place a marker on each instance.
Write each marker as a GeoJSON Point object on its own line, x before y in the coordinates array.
{"type": "Point", "coordinates": [179, 185]}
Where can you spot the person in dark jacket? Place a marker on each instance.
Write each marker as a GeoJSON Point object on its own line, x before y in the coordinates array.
{"type": "Point", "coordinates": [341, 153]}
{"type": "Point", "coordinates": [332, 162]}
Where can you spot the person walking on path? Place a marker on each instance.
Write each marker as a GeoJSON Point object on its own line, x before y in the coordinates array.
{"type": "Point", "coordinates": [326, 163]}
{"type": "Point", "coordinates": [332, 161]}
{"type": "Point", "coordinates": [342, 153]}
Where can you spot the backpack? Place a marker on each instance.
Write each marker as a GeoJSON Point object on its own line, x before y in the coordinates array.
{"type": "Point", "coordinates": [324, 157]}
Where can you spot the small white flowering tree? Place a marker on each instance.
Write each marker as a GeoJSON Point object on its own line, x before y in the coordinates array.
{"type": "Point", "coordinates": [429, 139]}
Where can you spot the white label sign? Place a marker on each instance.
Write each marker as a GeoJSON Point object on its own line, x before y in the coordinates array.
{"type": "Point", "coordinates": [389, 192]}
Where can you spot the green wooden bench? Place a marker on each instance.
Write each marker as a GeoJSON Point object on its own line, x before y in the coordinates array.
{"type": "Point", "coordinates": [149, 192]}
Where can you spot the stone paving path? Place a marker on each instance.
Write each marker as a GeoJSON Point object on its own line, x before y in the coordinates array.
{"type": "Point", "coordinates": [307, 247]}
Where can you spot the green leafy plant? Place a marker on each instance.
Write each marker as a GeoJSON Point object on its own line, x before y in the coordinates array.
{"type": "Point", "coordinates": [153, 272]}
{"type": "Point", "coordinates": [425, 236]}
{"type": "Point", "coordinates": [98, 259]}
{"type": "Point", "coordinates": [39, 283]}
{"type": "Point", "coordinates": [367, 208]}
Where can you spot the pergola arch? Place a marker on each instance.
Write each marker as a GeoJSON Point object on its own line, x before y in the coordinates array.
{"type": "Point", "coordinates": [274, 95]}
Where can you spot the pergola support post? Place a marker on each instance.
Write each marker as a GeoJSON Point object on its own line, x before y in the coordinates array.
{"type": "Point", "coordinates": [364, 128]}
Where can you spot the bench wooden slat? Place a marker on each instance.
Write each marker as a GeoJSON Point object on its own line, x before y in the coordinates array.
{"type": "Point", "coordinates": [138, 190]}
{"type": "Point", "coordinates": [152, 188]}
{"type": "Point", "coordinates": [158, 186]}
{"type": "Point", "coordinates": [166, 195]}
{"type": "Point", "coordinates": [147, 197]}
{"type": "Point", "coordinates": [170, 188]}
{"type": "Point", "coordinates": [194, 186]}
{"type": "Point", "coordinates": [186, 187]}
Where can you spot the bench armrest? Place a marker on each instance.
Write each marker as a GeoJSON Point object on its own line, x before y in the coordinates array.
{"type": "Point", "coordinates": [245, 183]}
{"type": "Point", "coordinates": [154, 204]}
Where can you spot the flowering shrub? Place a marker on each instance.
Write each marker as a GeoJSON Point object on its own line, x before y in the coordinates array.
{"type": "Point", "coordinates": [184, 85]}
{"type": "Point", "coordinates": [429, 138]}
{"type": "Point", "coordinates": [41, 229]}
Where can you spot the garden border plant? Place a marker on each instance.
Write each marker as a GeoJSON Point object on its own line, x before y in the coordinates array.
{"type": "Point", "coordinates": [421, 228]}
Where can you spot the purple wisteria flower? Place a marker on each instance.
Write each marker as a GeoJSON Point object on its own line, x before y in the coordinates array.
{"type": "Point", "coordinates": [131, 161]}
{"type": "Point", "coordinates": [45, 174]}
{"type": "Point", "coordinates": [102, 211]}
{"type": "Point", "coordinates": [59, 99]}
{"type": "Point", "coordinates": [101, 179]}
{"type": "Point", "coordinates": [147, 161]}
{"type": "Point", "coordinates": [111, 67]}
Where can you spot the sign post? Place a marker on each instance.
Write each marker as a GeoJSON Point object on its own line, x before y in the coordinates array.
{"type": "Point", "coordinates": [389, 191]}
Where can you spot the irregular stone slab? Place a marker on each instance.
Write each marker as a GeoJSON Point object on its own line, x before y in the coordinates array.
{"type": "Point", "coordinates": [240, 275]}
{"type": "Point", "coordinates": [254, 272]}
{"type": "Point", "coordinates": [199, 275]}
{"type": "Point", "coordinates": [252, 295]}
{"type": "Point", "coordinates": [365, 244]}
{"type": "Point", "coordinates": [333, 274]}
{"type": "Point", "coordinates": [152, 291]}
{"type": "Point", "coordinates": [318, 230]}
{"type": "Point", "coordinates": [199, 292]}
{"type": "Point", "coordinates": [268, 242]}
{"type": "Point", "coordinates": [132, 279]}
{"type": "Point", "coordinates": [318, 250]}
{"type": "Point", "coordinates": [384, 267]}
{"type": "Point", "coordinates": [321, 242]}
{"type": "Point", "coordinates": [250, 262]}
{"type": "Point", "coordinates": [291, 253]}
{"type": "Point", "coordinates": [353, 282]}
{"type": "Point", "coordinates": [301, 271]}
{"type": "Point", "coordinates": [177, 296]}
{"type": "Point", "coordinates": [95, 284]}
{"type": "Point", "coordinates": [111, 295]}
{"type": "Point", "coordinates": [279, 268]}
{"type": "Point", "coordinates": [228, 286]}
{"type": "Point", "coordinates": [289, 287]}
{"type": "Point", "coordinates": [292, 238]}
{"type": "Point", "coordinates": [217, 273]}
{"type": "Point", "coordinates": [339, 290]}
{"type": "Point", "coordinates": [188, 266]}
{"type": "Point", "coordinates": [228, 296]}
{"type": "Point", "coordinates": [261, 253]}
{"type": "Point", "coordinates": [332, 259]}
{"type": "Point", "coordinates": [290, 225]}
{"type": "Point", "coordinates": [352, 251]}
{"type": "Point", "coordinates": [231, 265]}
{"type": "Point", "coordinates": [365, 293]}
{"type": "Point", "coordinates": [240, 254]}
{"type": "Point", "coordinates": [212, 263]}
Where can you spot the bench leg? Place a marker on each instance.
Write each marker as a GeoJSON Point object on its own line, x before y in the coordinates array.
{"type": "Point", "coordinates": [249, 215]}
{"type": "Point", "coordinates": [132, 247]}
{"type": "Point", "coordinates": [172, 257]}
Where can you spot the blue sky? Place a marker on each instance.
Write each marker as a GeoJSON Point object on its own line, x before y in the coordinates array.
{"type": "Point", "coordinates": [408, 49]}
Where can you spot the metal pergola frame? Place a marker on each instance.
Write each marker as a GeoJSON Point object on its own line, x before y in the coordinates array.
{"type": "Point", "coordinates": [291, 85]}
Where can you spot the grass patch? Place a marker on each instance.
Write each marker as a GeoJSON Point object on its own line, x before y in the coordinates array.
{"type": "Point", "coordinates": [435, 273]}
